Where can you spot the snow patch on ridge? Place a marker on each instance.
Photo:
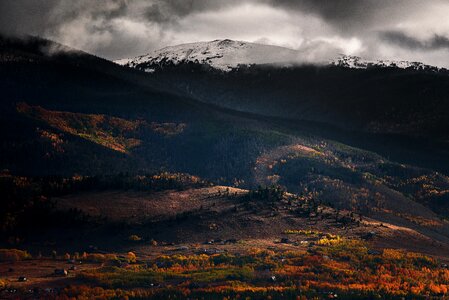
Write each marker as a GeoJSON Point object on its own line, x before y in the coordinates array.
{"type": "Point", "coordinates": [355, 62]}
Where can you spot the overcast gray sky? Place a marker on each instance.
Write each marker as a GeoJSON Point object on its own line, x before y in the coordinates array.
{"type": "Point", "coordinates": [389, 29]}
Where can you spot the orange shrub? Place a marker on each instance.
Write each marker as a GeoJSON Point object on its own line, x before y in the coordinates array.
{"type": "Point", "coordinates": [131, 257]}
{"type": "Point", "coordinates": [98, 257]}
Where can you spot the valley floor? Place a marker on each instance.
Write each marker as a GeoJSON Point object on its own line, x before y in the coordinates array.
{"type": "Point", "coordinates": [215, 242]}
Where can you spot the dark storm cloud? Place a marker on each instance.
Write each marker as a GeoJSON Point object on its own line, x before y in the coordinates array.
{"type": "Point", "coordinates": [405, 41]}
{"type": "Point", "coordinates": [350, 16]}
{"type": "Point", "coordinates": [172, 10]}
{"type": "Point", "coordinates": [168, 11]}
{"type": "Point", "coordinates": [34, 16]}
{"type": "Point", "coordinates": [334, 11]}
{"type": "Point", "coordinates": [122, 28]}
{"type": "Point", "coordinates": [22, 16]}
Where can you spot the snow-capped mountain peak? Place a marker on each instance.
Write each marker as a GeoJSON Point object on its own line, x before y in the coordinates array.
{"type": "Point", "coordinates": [223, 55]}
{"type": "Point", "coordinates": [226, 55]}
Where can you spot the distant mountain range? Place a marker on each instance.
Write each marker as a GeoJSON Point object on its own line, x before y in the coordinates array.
{"type": "Point", "coordinates": [227, 55]}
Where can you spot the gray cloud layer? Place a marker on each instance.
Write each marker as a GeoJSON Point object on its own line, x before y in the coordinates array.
{"type": "Point", "coordinates": [405, 41]}
{"type": "Point", "coordinates": [388, 29]}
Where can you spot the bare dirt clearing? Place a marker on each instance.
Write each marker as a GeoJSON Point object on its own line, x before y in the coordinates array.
{"type": "Point", "coordinates": [134, 207]}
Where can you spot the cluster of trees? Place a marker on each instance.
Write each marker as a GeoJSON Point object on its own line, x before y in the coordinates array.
{"type": "Point", "coordinates": [57, 185]}
{"type": "Point", "coordinates": [266, 194]}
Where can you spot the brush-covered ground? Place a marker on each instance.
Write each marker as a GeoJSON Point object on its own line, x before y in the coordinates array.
{"type": "Point", "coordinates": [94, 160]}
{"type": "Point", "coordinates": [176, 236]}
